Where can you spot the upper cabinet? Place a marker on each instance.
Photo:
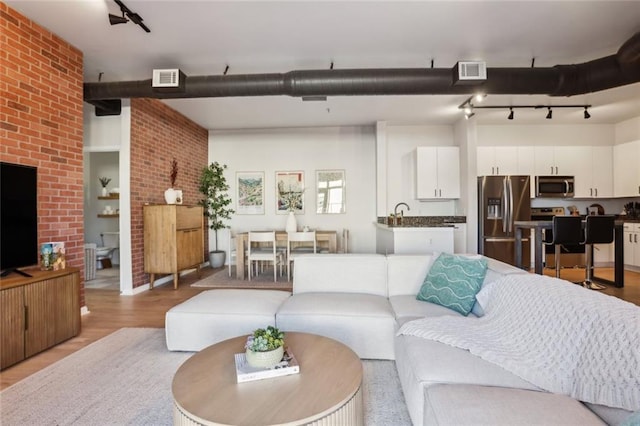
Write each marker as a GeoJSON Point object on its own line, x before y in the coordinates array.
{"type": "Point", "coordinates": [556, 160]}
{"type": "Point", "coordinates": [593, 171]}
{"type": "Point", "coordinates": [626, 170]}
{"type": "Point", "coordinates": [437, 172]}
{"type": "Point", "coordinates": [497, 160]}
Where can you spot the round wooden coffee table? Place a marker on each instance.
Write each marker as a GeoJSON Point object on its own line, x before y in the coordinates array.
{"type": "Point", "coordinates": [327, 391]}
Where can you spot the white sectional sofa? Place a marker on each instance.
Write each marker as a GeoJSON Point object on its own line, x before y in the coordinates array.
{"type": "Point", "coordinates": [363, 300]}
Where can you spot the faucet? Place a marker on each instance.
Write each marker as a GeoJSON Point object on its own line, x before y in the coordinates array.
{"type": "Point", "coordinates": [395, 212]}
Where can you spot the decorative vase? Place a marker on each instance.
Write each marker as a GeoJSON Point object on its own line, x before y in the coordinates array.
{"type": "Point", "coordinates": [170, 196]}
{"type": "Point", "coordinates": [292, 225]}
{"type": "Point", "coordinates": [105, 192]}
{"type": "Point", "coordinates": [264, 359]}
{"type": "Point", "coordinates": [178, 196]}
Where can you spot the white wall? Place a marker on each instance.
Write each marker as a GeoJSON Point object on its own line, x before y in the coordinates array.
{"type": "Point", "coordinates": [399, 143]}
{"type": "Point", "coordinates": [310, 149]}
{"type": "Point", "coordinates": [627, 131]}
{"type": "Point", "coordinates": [545, 134]}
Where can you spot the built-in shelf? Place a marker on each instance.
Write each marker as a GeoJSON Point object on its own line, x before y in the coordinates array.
{"type": "Point", "coordinates": [108, 215]}
{"type": "Point", "coordinates": [110, 197]}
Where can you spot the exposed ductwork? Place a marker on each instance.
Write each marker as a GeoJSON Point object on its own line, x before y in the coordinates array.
{"type": "Point", "coordinates": [561, 80]}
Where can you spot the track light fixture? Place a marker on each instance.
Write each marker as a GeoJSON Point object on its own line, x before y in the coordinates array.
{"type": "Point", "coordinates": [469, 108]}
{"type": "Point", "coordinates": [127, 15]}
{"type": "Point", "coordinates": [115, 19]}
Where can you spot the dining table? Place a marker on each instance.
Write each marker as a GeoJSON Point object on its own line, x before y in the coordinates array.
{"type": "Point", "coordinates": [538, 227]}
{"type": "Point", "coordinates": [326, 240]}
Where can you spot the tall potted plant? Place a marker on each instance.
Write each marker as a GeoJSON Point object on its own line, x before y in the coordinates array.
{"type": "Point", "coordinates": [214, 187]}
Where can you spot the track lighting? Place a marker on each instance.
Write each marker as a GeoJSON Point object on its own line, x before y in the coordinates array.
{"type": "Point", "coordinates": [468, 115]}
{"type": "Point", "coordinates": [479, 97]}
{"type": "Point", "coordinates": [470, 109]}
{"type": "Point", "coordinates": [115, 19]}
{"type": "Point", "coordinates": [127, 15]}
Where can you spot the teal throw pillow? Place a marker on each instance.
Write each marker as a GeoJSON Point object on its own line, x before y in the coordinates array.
{"type": "Point", "coordinates": [453, 282]}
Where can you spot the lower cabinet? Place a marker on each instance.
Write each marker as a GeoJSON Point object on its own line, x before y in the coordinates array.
{"type": "Point", "coordinates": [631, 235]}
{"type": "Point", "coordinates": [414, 240]}
{"type": "Point", "coordinates": [38, 313]}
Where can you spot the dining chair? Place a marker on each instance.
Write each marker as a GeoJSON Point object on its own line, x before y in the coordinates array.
{"type": "Point", "coordinates": [299, 243]}
{"type": "Point", "coordinates": [566, 230]}
{"type": "Point", "coordinates": [345, 241]}
{"type": "Point", "coordinates": [262, 248]}
{"type": "Point", "coordinates": [231, 250]}
{"type": "Point", "coordinates": [597, 230]}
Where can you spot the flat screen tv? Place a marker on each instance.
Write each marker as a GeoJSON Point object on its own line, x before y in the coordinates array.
{"type": "Point", "coordinates": [18, 217]}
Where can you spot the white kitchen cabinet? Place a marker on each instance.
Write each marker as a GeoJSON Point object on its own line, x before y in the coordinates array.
{"type": "Point", "coordinates": [631, 235]}
{"type": "Point", "coordinates": [497, 160]}
{"type": "Point", "coordinates": [626, 169]}
{"type": "Point", "coordinates": [593, 171]}
{"type": "Point", "coordinates": [401, 240]}
{"type": "Point", "coordinates": [437, 172]}
{"type": "Point", "coordinates": [557, 160]}
{"type": "Point", "coordinates": [507, 160]}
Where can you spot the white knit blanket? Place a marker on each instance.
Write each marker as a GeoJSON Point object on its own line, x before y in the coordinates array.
{"type": "Point", "coordinates": [560, 337]}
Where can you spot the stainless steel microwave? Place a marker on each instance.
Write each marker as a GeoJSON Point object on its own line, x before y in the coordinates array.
{"type": "Point", "coordinates": [555, 186]}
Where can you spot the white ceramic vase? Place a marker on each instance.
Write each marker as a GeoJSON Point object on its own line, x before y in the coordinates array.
{"type": "Point", "coordinates": [292, 225]}
{"type": "Point", "coordinates": [105, 191]}
{"type": "Point", "coordinates": [264, 359]}
{"type": "Point", "coordinates": [170, 196]}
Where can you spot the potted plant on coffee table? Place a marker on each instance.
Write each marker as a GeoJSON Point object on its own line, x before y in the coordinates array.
{"type": "Point", "coordinates": [265, 347]}
{"type": "Point", "coordinates": [214, 187]}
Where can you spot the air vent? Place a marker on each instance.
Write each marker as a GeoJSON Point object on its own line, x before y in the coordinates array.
{"type": "Point", "coordinates": [168, 80]}
{"type": "Point", "coordinates": [470, 72]}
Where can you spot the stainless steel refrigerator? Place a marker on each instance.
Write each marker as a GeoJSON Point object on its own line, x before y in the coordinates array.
{"type": "Point", "coordinates": [501, 201]}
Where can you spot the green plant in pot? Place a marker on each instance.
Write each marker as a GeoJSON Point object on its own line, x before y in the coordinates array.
{"type": "Point", "coordinates": [214, 187]}
{"type": "Point", "coordinates": [265, 347]}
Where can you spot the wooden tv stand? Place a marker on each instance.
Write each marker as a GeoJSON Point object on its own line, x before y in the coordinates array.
{"type": "Point", "coordinates": [38, 312]}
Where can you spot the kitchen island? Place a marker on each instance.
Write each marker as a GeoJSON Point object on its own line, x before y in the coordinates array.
{"type": "Point", "coordinates": [539, 225]}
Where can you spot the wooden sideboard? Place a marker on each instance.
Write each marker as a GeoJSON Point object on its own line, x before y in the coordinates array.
{"type": "Point", "coordinates": [173, 240]}
{"type": "Point", "coordinates": [37, 313]}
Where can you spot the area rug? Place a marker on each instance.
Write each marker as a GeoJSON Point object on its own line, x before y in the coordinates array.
{"type": "Point", "coordinates": [125, 379]}
{"type": "Point", "coordinates": [221, 279]}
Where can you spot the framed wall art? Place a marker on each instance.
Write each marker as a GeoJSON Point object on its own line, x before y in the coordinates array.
{"type": "Point", "coordinates": [331, 191]}
{"type": "Point", "coordinates": [250, 192]}
{"type": "Point", "coordinates": [289, 192]}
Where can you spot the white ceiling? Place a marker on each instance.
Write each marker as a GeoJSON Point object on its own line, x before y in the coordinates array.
{"type": "Point", "coordinates": [203, 37]}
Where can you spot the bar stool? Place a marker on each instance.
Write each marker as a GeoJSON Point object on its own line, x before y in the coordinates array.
{"type": "Point", "coordinates": [597, 230]}
{"type": "Point", "coordinates": [566, 230]}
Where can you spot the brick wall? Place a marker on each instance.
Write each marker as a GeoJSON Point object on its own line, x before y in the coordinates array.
{"type": "Point", "coordinates": [41, 124]}
{"type": "Point", "coordinates": [159, 134]}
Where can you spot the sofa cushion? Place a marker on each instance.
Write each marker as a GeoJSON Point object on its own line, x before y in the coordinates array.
{"type": "Point", "coordinates": [453, 281]}
{"type": "Point", "coordinates": [484, 405]}
{"type": "Point", "coordinates": [340, 273]}
{"type": "Point", "coordinates": [364, 322]}
{"type": "Point", "coordinates": [406, 272]}
{"type": "Point", "coordinates": [422, 363]}
{"type": "Point", "coordinates": [407, 308]}
{"type": "Point", "coordinates": [216, 315]}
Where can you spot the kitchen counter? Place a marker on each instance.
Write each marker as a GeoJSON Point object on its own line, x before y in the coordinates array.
{"type": "Point", "coordinates": [424, 221]}
{"type": "Point", "coordinates": [403, 227]}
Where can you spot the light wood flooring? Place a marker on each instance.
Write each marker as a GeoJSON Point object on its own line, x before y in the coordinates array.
{"type": "Point", "coordinates": [110, 312]}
